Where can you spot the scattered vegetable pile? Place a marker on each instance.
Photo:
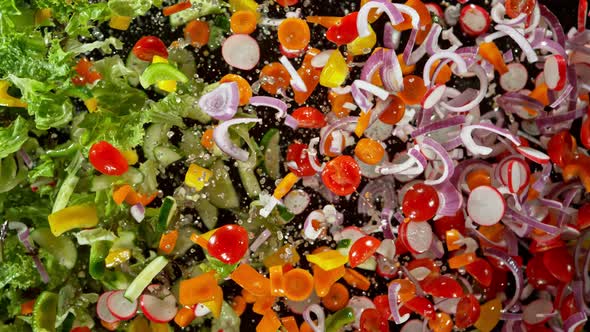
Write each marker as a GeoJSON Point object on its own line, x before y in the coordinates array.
{"type": "Point", "coordinates": [413, 167]}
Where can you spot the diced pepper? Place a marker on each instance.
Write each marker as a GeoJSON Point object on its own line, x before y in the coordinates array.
{"type": "Point", "coordinates": [276, 280]}
{"type": "Point", "coordinates": [110, 326]}
{"type": "Point", "coordinates": [489, 315]}
{"type": "Point", "coordinates": [462, 260]}
{"type": "Point", "coordinates": [356, 280]}
{"type": "Point", "coordinates": [121, 193]}
{"type": "Point", "coordinates": [285, 185]}
{"type": "Point", "coordinates": [335, 71]}
{"type": "Point", "coordinates": [183, 5]}
{"type": "Point", "coordinates": [310, 76]}
{"type": "Point", "coordinates": [91, 104]}
{"type": "Point", "coordinates": [26, 308]}
{"type": "Point", "coordinates": [168, 241]}
{"type": "Point", "coordinates": [339, 319]}
{"type": "Point", "coordinates": [120, 22]}
{"type": "Point", "coordinates": [328, 260]}
{"type": "Point", "coordinates": [269, 323]}
{"type": "Point", "coordinates": [117, 256]}
{"type": "Point", "coordinates": [199, 289]}
{"type": "Point", "coordinates": [197, 176]}
{"type": "Point", "coordinates": [216, 301]}
{"type": "Point", "coordinates": [238, 304]}
{"type": "Point", "coordinates": [325, 21]}
{"type": "Point", "coordinates": [251, 280]}
{"type": "Point", "coordinates": [362, 45]}
{"type": "Point", "coordinates": [452, 238]}
{"type": "Point", "coordinates": [363, 123]}
{"type": "Point", "coordinates": [263, 303]}
{"type": "Point", "coordinates": [184, 316]}
{"type": "Point", "coordinates": [290, 324]}
{"type": "Point", "coordinates": [8, 100]}
{"type": "Point", "coordinates": [323, 280]}
{"type": "Point", "coordinates": [77, 216]}
{"type": "Point", "coordinates": [131, 156]}
{"type": "Point", "coordinates": [42, 16]}
{"type": "Point", "coordinates": [490, 52]}
{"type": "Point", "coordinates": [286, 254]}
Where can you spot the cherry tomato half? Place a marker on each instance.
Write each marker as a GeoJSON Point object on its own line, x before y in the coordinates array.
{"type": "Point", "coordinates": [107, 159]}
{"type": "Point", "coordinates": [561, 148]}
{"type": "Point", "coordinates": [585, 133]}
{"type": "Point", "coordinates": [442, 225]}
{"type": "Point", "coordinates": [228, 243]}
{"type": "Point", "coordinates": [560, 263]}
{"type": "Point", "coordinates": [373, 321]}
{"type": "Point", "coordinates": [468, 311]}
{"type": "Point", "coordinates": [481, 271]}
{"type": "Point", "coordinates": [344, 31]}
{"type": "Point", "coordinates": [297, 152]}
{"type": "Point", "coordinates": [362, 249]}
{"type": "Point", "coordinates": [517, 7]}
{"type": "Point", "coordinates": [420, 202]}
{"type": "Point", "coordinates": [442, 286]}
{"type": "Point", "coordinates": [537, 273]}
{"type": "Point", "coordinates": [309, 117]}
{"type": "Point", "coordinates": [422, 306]}
{"type": "Point", "coordinates": [382, 304]}
{"type": "Point", "coordinates": [583, 216]}
{"type": "Point", "coordinates": [342, 175]}
{"type": "Point", "coordinates": [148, 46]}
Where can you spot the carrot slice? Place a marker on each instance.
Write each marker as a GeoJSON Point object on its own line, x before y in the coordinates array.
{"type": "Point", "coordinates": [294, 34]}
{"type": "Point", "coordinates": [168, 241]}
{"type": "Point", "coordinates": [243, 21]}
{"type": "Point", "coordinates": [250, 279]}
{"type": "Point", "coordinates": [298, 284]}
{"type": "Point", "coordinates": [167, 11]}
{"type": "Point", "coordinates": [337, 297]}
{"type": "Point", "coordinates": [184, 316]}
{"type": "Point", "coordinates": [356, 280]}
{"type": "Point", "coordinates": [263, 303]}
{"type": "Point", "coordinates": [274, 77]}
{"type": "Point", "coordinates": [207, 139]}
{"type": "Point", "coordinates": [26, 308]}
{"type": "Point", "coordinates": [310, 76]}
{"type": "Point", "coordinates": [197, 33]}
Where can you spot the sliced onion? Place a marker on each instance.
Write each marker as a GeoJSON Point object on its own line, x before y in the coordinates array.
{"type": "Point", "coordinates": [456, 58]}
{"type": "Point", "coordinates": [416, 162]}
{"type": "Point", "coordinates": [411, 12]}
{"type": "Point", "coordinates": [320, 60]}
{"type": "Point", "coordinates": [221, 103]}
{"type": "Point", "coordinates": [296, 80]}
{"type": "Point", "coordinates": [391, 37]}
{"type": "Point", "coordinates": [391, 72]}
{"type": "Point", "coordinates": [271, 102]}
{"type": "Point", "coordinates": [362, 21]}
{"type": "Point", "coordinates": [574, 321]}
{"type": "Point", "coordinates": [137, 212]}
{"type": "Point", "coordinates": [442, 124]}
{"type": "Point", "coordinates": [498, 11]}
{"type": "Point", "coordinates": [373, 64]}
{"type": "Point", "coordinates": [222, 140]}
{"type": "Point", "coordinates": [23, 236]}
{"type": "Point", "coordinates": [311, 155]}
{"type": "Point", "coordinates": [553, 23]}
{"type": "Point", "coordinates": [443, 155]}
{"type": "Point", "coordinates": [361, 98]}
{"type": "Point", "coordinates": [309, 231]}
{"type": "Point", "coordinates": [260, 240]}
{"type": "Point", "coordinates": [340, 124]}
{"type": "Point", "coordinates": [291, 122]}
{"type": "Point", "coordinates": [320, 315]}
{"type": "Point", "coordinates": [450, 199]}
{"type": "Point", "coordinates": [533, 222]}
{"type": "Point", "coordinates": [392, 295]}
{"type": "Point", "coordinates": [511, 264]}
{"type": "Point", "coordinates": [466, 137]}
{"type": "Point", "coordinates": [520, 40]}
{"type": "Point", "coordinates": [481, 93]}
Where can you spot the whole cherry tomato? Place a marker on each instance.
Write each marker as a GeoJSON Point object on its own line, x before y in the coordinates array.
{"type": "Point", "coordinates": [297, 152]}
{"type": "Point", "coordinates": [228, 243]}
{"type": "Point", "coordinates": [148, 46]}
{"type": "Point", "coordinates": [517, 7]}
{"type": "Point", "coordinates": [420, 202]}
{"type": "Point", "coordinates": [373, 321]}
{"type": "Point", "coordinates": [342, 175]}
{"type": "Point", "coordinates": [344, 31]}
{"type": "Point", "coordinates": [467, 311]}
{"type": "Point", "coordinates": [560, 263]}
{"type": "Point", "coordinates": [309, 117]}
{"type": "Point", "coordinates": [362, 249]}
{"type": "Point", "coordinates": [585, 133]}
{"type": "Point", "coordinates": [107, 159]}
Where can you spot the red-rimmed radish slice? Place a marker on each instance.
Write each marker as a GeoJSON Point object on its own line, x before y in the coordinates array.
{"type": "Point", "coordinates": [296, 201]}
{"type": "Point", "coordinates": [358, 305]}
{"type": "Point", "coordinates": [420, 272]}
{"type": "Point", "coordinates": [291, 54]}
{"type": "Point", "coordinates": [416, 235]}
{"type": "Point", "coordinates": [102, 310]}
{"type": "Point", "coordinates": [201, 310]}
{"type": "Point", "coordinates": [387, 248]}
{"type": "Point", "coordinates": [414, 325]}
{"type": "Point", "coordinates": [537, 312]}
{"type": "Point", "coordinates": [534, 155]}
{"type": "Point", "coordinates": [120, 307]}
{"type": "Point", "coordinates": [515, 78]}
{"type": "Point", "coordinates": [241, 51]}
{"type": "Point", "coordinates": [435, 9]}
{"type": "Point", "coordinates": [158, 310]}
{"type": "Point", "coordinates": [485, 205]}
{"type": "Point", "coordinates": [474, 20]}
{"type": "Point", "coordinates": [517, 175]}
{"type": "Point", "coordinates": [351, 233]}
{"type": "Point", "coordinates": [555, 72]}
{"type": "Point", "coordinates": [433, 96]}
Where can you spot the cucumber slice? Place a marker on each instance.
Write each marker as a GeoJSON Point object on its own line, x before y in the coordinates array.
{"type": "Point", "coordinates": [166, 156]}
{"type": "Point", "coordinates": [144, 278]}
{"type": "Point", "coordinates": [98, 253]}
{"type": "Point", "coordinates": [45, 312]}
{"type": "Point", "coordinates": [199, 8]}
{"type": "Point", "coordinates": [167, 211]}
{"type": "Point", "coordinates": [154, 137]}
{"type": "Point", "coordinates": [61, 247]}
{"type": "Point", "coordinates": [184, 243]}
{"type": "Point", "coordinates": [285, 214]}
{"type": "Point", "coordinates": [221, 191]}
{"type": "Point", "coordinates": [249, 180]}
{"type": "Point", "coordinates": [184, 59]}
{"type": "Point", "coordinates": [271, 153]}
{"type": "Point", "coordinates": [137, 65]}
{"type": "Point", "coordinates": [208, 213]}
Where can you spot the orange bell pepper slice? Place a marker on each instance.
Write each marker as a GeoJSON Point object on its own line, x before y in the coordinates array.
{"type": "Point", "coordinates": [251, 280]}
{"type": "Point", "coordinates": [270, 322]}
{"type": "Point", "coordinates": [276, 280]}
{"type": "Point", "coordinates": [452, 236]}
{"type": "Point", "coordinates": [263, 303]}
{"type": "Point", "coordinates": [199, 289]}
{"type": "Point", "coordinates": [238, 304]}
{"type": "Point", "coordinates": [168, 241]}
{"type": "Point", "coordinates": [184, 316]}
{"type": "Point", "coordinates": [356, 280]}
{"type": "Point", "coordinates": [323, 280]}
{"type": "Point", "coordinates": [290, 324]}
{"type": "Point", "coordinates": [26, 308]}
{"type": "Point", "coordinates": [325, 21]}
{"type": "Point", "coordinates": [462, 260]}
{"type": "Point", "coordinates": [310, 76]}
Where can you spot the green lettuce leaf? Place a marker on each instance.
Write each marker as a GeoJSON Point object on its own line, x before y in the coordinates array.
{"type": "Point", "coordinates": [125, 131]}
{"type": "Point", "coordinates": [13, 136]}
{"type": "Point", "coordinates": [132, 8]}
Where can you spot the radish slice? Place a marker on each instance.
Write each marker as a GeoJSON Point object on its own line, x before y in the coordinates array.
{"type": "Point", "coordinates": [201, 310]}
{"type": "Point", "coordinates": [241, 51]}
{"type": "Point", "coordinates": [555, 72]}
{"type": "Point", "coordinates": [160, 305]}
{"type": "Point", "coordinates": [534, 155]}
{"type": "Point", "coordinates": [515, 78]}
{"type": "Point", "coordinates": [420, 273]}
{"type": "Point", "coordinates": [296, 201]}
{"type": "Point", "coordinates": [435, 9]}
{"type": "Point", "coordinates": [320, 60]}
{"type": "Point", "coordinates": [120, 307]}
{"type": "Point", "coordinates": [514, 174]}
{"type": "Point", "coordinates": [351, 233]}
{"type": "Point", "coordinates": [387, 248]}
{"type": "Point", "coordinates": [537, 312]}
{"type": "Point", "coordinates": [358, 305]}
{"type": "Point", "coordinates": [416, 235]}
{"type": "Point", "coordinates": [102, 310]}
{"type": "Point", "coordinates": [474, 20]}
{"type": "Point", "coordinates": [291, 54]}
{"type": "Point", "coordinates": [414, 325]}
{"type": "Point", "coordinates": [486, 205]}
{"type": "Point", "coordinates": [433, 96]}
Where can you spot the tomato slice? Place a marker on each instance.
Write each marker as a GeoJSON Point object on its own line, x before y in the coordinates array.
{"type": "Point", "coordinates": [561, 148]}
{"type": "Point", "coordinates": [148, 46]}
{"type": "Point", "coordinates": [342, 175]}
{"type": "Point", "coordinates": [481, 271]}
{"type": "Point", "coordinates": [373, 321]}
{"type": "Point", "coordinates": [537, 273]}
{"type": "Point", "coordinates": [287, 3]}
{"type": "Point", "coordinates": [560, 263]}
{"type": "Point", "coordinates": [107, 159]}
{"type": "Point", "coordinates": [382, 304]}
{"type": "Point", "coordinates": [309, 117]}
{"type": "Point", "coordinates": [583, 216]}
{"type": "Point", "coordinates": [422, 306]}
{"type": "Point", "coordinates": [517, 7]}
{"type": "Point", "coordinates": [585, 133]}
{"type": "Point", "coordinates": [442, 225]}
{"type": "Point", "coordinates": [297, 152]}
{"type": "Point", "coordinates": [442, 286]}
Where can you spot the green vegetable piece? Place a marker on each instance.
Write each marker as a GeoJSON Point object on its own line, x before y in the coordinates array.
{"type": "Point", "coordinates": [284, 213]}
{"type": "Point", "coordinates": [13, 136]}
{"type": "Point", "coordinates": [166, 155]}
{"type": "Point", "coordinates": [98, 253]}
{"type": "Point", "coordinates": [144, 278]}
{"type": "Point", "coordinates": [198, 9]}
{"type": "Point", "coordinates": [208, 213]}
{"type": "Point", "coordinates": [271, 152]}
{"type": "Point", "coordinates": [167, 211]}
{"type": "Point", "coordinates": [137, 65]}
{"type": "Point", "coordinates": [161, 72]}
{"type": "Point", "coordinates": [339, 319]}
{"type": "Point", "coordinates": [221, 191]}
{"type": "Point", "coordinates": [62, 248]}
{"type": "Point", "coordinates": [44, 312]}
{"type": "Point", "coordinates": [249, 180]}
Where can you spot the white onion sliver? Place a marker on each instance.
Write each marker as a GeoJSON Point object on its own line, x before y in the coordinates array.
{"type": "Point", "coordinates": [223, 141]}
{"type": "Point", "coordinates": [296, 80]}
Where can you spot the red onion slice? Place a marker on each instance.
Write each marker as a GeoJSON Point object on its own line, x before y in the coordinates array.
{"type": "Point", "coordinates": [221, 103]}
{"type": "Point", "coordinates": [574, 321]}
{"type": "Point", "coordinates": [466, 137]}
{"type": "Point", "coordinates": [456, 58]}
{"type": "Point", "coordinates": [23, 236]}
{"type": "Point", "coordinates": [373, 64]}
{"type": "Point", "coordinates": [137, 212]}
{"type": "Point", "coordinates": [319, 313]}
{"type": "Point", "coordinates": [511, 264]}
{"type": "Point", "coordinates": [340, 124]}
{"type": "Point", "coordinates": [450, 199]}
{"type": "Point", "coordinates": [222, 140]}
{"type": "Point", "coordinates": [362, 21]}
{"type": "Point", "coordinates": [443, 155]}
{"type": "Point", "coordinates": [391, 37]}
{"type": "Point", "coordinates": [260, 240]}
{"type": "Point", "coordinates": [481, 93]}
{"type": "Point", "coordinates": [391, 72]}
{"type": "Point", "coordinates": [392, 295]}
{"type": "Point", "coordinates": [271, 102]}
{"type": "Point", "coordinates": [519, 39]}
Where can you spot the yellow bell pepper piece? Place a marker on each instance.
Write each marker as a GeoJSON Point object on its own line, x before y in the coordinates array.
{"type": "Point", "coordinates": [286, 254]}
{"type": "Point", "coordinates": [91, 104]}
{"type": "Point", "coordinates": [131, 156]}
{"type": "Point", "coordinates": [117, 257]}
{"type": "Point", "coordinates": [197, 176]}
{"type": "Point", "coordinates": [335, 71]}
{"type": "Point", "coordinates": [362, 45]}
{"type": "Point", "coordinates": [285, 185]}
{"type": "Point", "coordinates": [490, 315]}
{"type": "Point", "coordinates": [166, 85]}
{"type": "Point", "coordinates": [236, 5]}
{"type": "Point", "coordinates": [120, 22]}
{"type": "Point", "coordinates": [8, 100]}
{"type": "Point", "coordinates": [42, 15]}
{"type": "Point", "coordinates": [215, 304]}
{"type": "Point", "coordinates": [77, 216]}
{"type": "Point", "coordinates": [202, 239]}
{"type": "Point", "coordinates": [328, 260]}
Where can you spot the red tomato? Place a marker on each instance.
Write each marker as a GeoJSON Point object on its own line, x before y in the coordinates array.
{"type": "Point", "coordinates": [297, 152]}
{"type": "Point", "coordinates": [362, 249]}
{"type": "Point", "coordinates": [444, 224]}
{"type": "Point", "coordinates": [287, 3]}
{"type": "Point", "coordinates": [583, 216]}
{"type": "Point", "coordinates": [561, 148]}
{"type": "Point", "coordinates": [107, 159]}
{"type": "Point", "coordinates": [481, 271]}
{"type": "Point", "coordinates": [499, 283]}
{"type": "Point", "coordinates": [537, 273]}
{"type": "Point", "coordinates": [344, 31]}
{"type": "Point", "coordinates": [442, 286]}
{"type": "Point", "coordinates": [560, 263]}
{"type": "Point", "coordinates": [382, 304]}
{"type": "Point", "coordinates": [428, 263]}
{"type": "Point", "coordinates": [373, 321]}
{"type": "Point", "coordinates": [467, 311]}
{"type": "Point", "coordinates": [537, 246]}
{"type": "Point", "coordinates": [517, 7]}
{"type": "Point", "coordinates": [309, 117]}
{"type": "Point", "coordinates": [148, 46]}
{"type": "Point", "coordinates": [228, 243]}
{"type": "Point", "coordinates": [420, 202]}
{"type": "Point", "coordinates": [585, 133]}
{"type": "Point", "coordinates": [85, 72]}
{"type": "Point", "coordinates": [422, 306]}
{"type": "Point", "coordinates": [342, 175]}
{"type": "Point", "coordinates": [80, 329]}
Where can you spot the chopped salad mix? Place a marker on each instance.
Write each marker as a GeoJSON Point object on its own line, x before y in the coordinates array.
{"type": "Point", "coordinates": [413, 166]}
